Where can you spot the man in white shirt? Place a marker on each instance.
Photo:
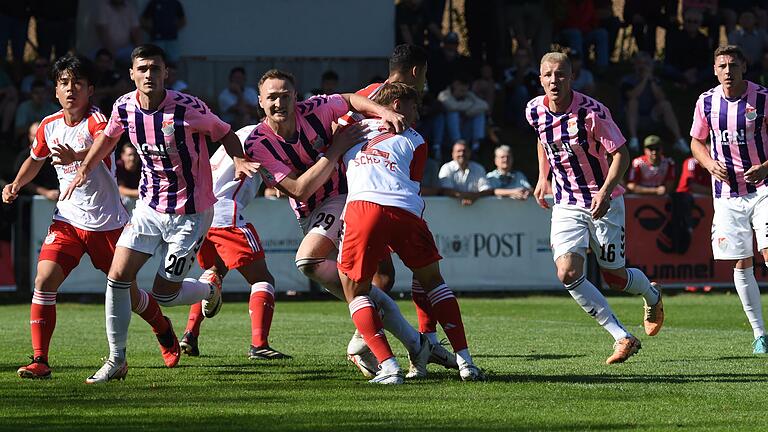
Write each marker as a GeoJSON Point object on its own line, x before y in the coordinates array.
{"type": "Point", "coordinates": [462, 178]}
{"type": "Point", "coordinates": [239, 103]}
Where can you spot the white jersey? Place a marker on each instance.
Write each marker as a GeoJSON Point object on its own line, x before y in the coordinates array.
{"type": "Point", "coordinates": [387, 169]}
{"type": "Point", "coordinates": [233, 195]}
{"type": "Point", "coordinates": [96, 205]}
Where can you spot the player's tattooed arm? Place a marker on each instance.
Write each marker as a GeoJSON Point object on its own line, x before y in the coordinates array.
{"type": "Point", "coordinates": [365, 106]}
{"type": "Point", "coordinates": [701, 153]}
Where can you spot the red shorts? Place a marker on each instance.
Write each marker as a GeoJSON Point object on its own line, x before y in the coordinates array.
{"type": "Point", "coordinates": [237, 246]}
{"type": "Point", "coordinates": [66, 244]}
{"type": "Point", "coordinates": [371, 230]}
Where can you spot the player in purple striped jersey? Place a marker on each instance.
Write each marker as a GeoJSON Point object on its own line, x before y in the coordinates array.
{"type": "Point", "coordinates": [175, 210]}
{"type": "Point", "coordinates": [576, 135]}
{"type": "Point", "coordinates": [733, 116]}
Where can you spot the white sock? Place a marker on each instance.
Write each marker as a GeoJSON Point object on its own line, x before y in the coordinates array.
{"type": "Point", "coordinates": [432, 337]}
{"type": "Point", "coordinates": [749, 294]}
{"type": "Point", "coordinates": [638, 283]}
{"type": "Point", "coordinates": [117, 310]}
{"type": "Point", "coordinates": [594, 304]}
{"type": "Point", "coordinates": [191, 291]}
{"type": "Point", "coordinates": [394, 321]}
{"type": "Point", "coordinates": [390, 365]}
{"type": "Point", "coordinates": [463, 357]}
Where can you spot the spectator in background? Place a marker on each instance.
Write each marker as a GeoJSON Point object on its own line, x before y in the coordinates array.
{"type": "Point", "coordinates": [521, 84]}
{"type": "Point", "coordinates": [55, 26]}
{"type": "Point", "coordinates": [410, 22]}
{"type": "Point", "coordinates": [46, 182]}
{"type": "Point", "coordinates": [503, 180]}
{"type": "Point", "coordinates": [430, 182]}
{"type": "Point", "coordinates": [485, 87]}
{"type": "Point", "coordinates": [446, 64]}
{"type": "Point", "coordinates": [41, 72]}
{"type": "Point", "coordinates": [173, 82]}
{"type": "Point", "coordinates": [583, 80]}
{"type": "Point", "coordinates": [760, 76]}
{"type": "Point", "coordinates": [9, 100]}
{"type": "Point", "coordinates": [464, 113]}
{"type": "Point", "coordinates": [14, 21]}
{"type": "Point", "coordinates": [751, 39]}
{"type": "Point", "coordinates": [482, 36]}
{"type": "Point", "coordinates": [580, 30]}
{"type": "Point", "coordinates": [694, 178]}
{"type": "Point", "coordinates": [110, 84]}
{"type": "Point", "coordinates": [128, 169]}
{"type": "Point", "coordinates": [117, 27]}
{"type": "Point", "coordinates": [329, 83]}
{"type": "Point", "coordinates": [652, 173]}
{"type": "Point", "coordinates": [645, 103]}
{"type": "Point", "coordinates": [608, 20]}
{"type": "Point", "coordinates": [531, 25]}
{"type": "Point", "coordinates": [462, 178]}
{"type": "Point", "coordinates": [38, 106]}
{"type": "Point", "coordinates": [688, 51]}
{"type": "Point", "coordinates": [433, 14]}
{"type": "Point", "coordinates": [163, 19]}
{"type": "Point", "coordinates": [645, 16]}
{"type": "Point", "coordinates": [239, 103]}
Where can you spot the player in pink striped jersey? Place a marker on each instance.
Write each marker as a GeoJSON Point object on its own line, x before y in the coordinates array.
{"type": "Point", "coordinates": [576, 134]}
{"type": "Point", "coordinates": [384, 210]}
{"type": "Point", "coordinates": [733, 117]}
{"type": "Point", "coordinates": [233, 243]}
{"type": "Point", "coordinates": [175, 210]}
{"type": "Point", "coordinates": [292, 146]}
{"type": "Point", "coordinates": [91, 222]}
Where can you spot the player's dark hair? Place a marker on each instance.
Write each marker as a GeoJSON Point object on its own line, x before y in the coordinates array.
{"type": "Point", "coordinates": [79, 67]}
{"type": "Point", "coordinates": [389, 92]}
{"type": "Point", "coordinates": [731, 50]}
{"type": "Point", "coordinates": [277, 74]}
{"type": "Point", "coordinates": [147, 51]}
{"type": "Point", "coordinates": [235, 70]}
{"type": "Point", "coordinates": [406, 56]}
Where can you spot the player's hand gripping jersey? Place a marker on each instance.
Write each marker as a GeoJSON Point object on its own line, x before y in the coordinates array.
{"type": "Point", "coordinates": [96, 205]}
{"type": "Point", "coordinates": [175, 177]}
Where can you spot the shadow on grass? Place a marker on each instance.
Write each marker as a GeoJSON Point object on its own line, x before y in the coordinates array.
{"type": "Point", "coordinates": [531, 357]}
{"type": "Point", "coordinates": [639, 379]}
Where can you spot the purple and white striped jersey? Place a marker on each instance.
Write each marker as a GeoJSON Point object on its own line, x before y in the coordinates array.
{"type": "Point", "coordinates": [279, 158]}
{"type": "Point", "coordinates": [576, 143]}
{"type": "Point", "coordinates": [175, 172]}
{"type": "Point", "coordinates": [738, 132]}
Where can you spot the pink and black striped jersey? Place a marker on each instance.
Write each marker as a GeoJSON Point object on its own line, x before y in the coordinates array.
{"type": "Point", "coordinates": [279, 158]}
{"type": "Point", "coordinates": [576, 143]}
{"type": "Point", "coordinates": [171, 142]}
{"type": "Point", "coordinates": [738, 131]}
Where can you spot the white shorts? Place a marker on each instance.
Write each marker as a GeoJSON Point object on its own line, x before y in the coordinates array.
{"type": "Point", "coordinates": [178, 236]}
{"type": "Point", "coordinates": [733, 224]}
{"type": "Point", "coordinates": [574, 230]}
{"type": "Point", "coordinates": [326, 219]}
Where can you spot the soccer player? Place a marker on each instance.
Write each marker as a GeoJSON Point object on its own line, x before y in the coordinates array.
{"type": "Point", "coordinates": [233, 243]}
{"type": "Point", "coordinates": [175, 210]}
{"type": "Point", "coordinates": [576, 133]}
{"type": "Point", "coordinates": [89, 223]}
{"type": "Point", "coordinates": [383, 212]}
{"type": "Point", "coordinates": [408, 65]}
{"type": "Point", "coordinates": [732, 115]}
{"type": "Point", "coordinates": [292, 146]}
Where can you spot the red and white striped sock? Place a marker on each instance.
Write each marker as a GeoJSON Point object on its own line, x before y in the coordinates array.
{"type": "Point", "coordinates": [446, 309]}
{"type": "Point", "coordinates": [261, 307]}
{"type": "Point", "coordinates": [42, 321]}
{"type": "Point", "coordinates": [369, 324]}
{"type": "Point", "coordinates": [427, 321]}
{"type": "Point", "coordinates": [195, 319]}
{"type": "Point", "coordinates": [149, 310]}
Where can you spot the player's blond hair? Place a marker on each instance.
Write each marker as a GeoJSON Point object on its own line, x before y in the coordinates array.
{"type": "Point", "coordinates": [556, 57]}
{"type": "Point", "coordinates": [390, 92]}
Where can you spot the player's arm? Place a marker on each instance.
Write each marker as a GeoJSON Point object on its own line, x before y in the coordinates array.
{"type": "Point", "coordinates": [646, 190]}
{"type": "Point", "coordinates": [601, 202]}
{"type": "Point", "coordinates": [101, 148]}
{"type": "Point", "coordinates": [234, 148]}
{"type": "Point", "coordinates": [26, 174]}
{"type": "Point", "coordinates": [369, 108]}
{"type": "Point", "coordinates": [302, 187]}
{"type": "Point", "coordinates": [701, 153]}
{"type": "Point", "coordinates": [516, 193]}
{"type": "Point", "coordinates": [541, 184]}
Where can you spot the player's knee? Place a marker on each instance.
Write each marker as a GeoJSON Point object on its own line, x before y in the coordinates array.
{"type": "Point", "coordinates": [568, 275]}
{"type": "Point", "coordinates": [45, 284]}
{"type": "Point", "coordinates": [309, 266]}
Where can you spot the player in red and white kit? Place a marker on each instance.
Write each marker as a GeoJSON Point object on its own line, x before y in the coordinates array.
{"type": "Point", "coordinates": [88, 223]}
{"type": "Point", "coordinates": [384, 212]}
{"type": "Point", "coordinates": [233, 243]}
{"type": "Point", "coordinates": [407, 65]}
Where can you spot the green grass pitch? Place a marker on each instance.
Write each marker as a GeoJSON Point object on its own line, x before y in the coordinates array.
{"type": "Point", "coordinates": [543, 355]}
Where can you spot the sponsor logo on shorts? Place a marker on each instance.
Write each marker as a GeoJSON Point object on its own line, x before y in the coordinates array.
{"type": "Point", "coordinates": [50, 238]}
{"type": "Point", "coordinates": [722, 243]}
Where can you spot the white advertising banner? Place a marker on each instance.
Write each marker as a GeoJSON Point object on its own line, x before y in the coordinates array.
{"type": "Point", "coordinates": [492, 245]}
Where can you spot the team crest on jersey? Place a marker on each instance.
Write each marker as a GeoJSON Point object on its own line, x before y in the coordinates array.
{"type": "Point", "coordinates": [167, 127]}
{"type": "Point", "coordinates": [83, 139]}
{"type": "Point", "coordinates": [50, 238]}
{"type": "Point", "coordinates": [573, 127]}
{"type": "Point", "coordinates": [751, 114]}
